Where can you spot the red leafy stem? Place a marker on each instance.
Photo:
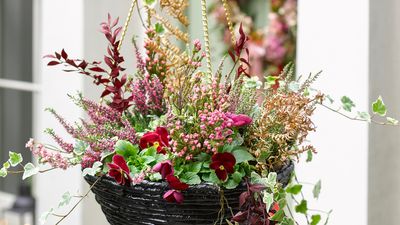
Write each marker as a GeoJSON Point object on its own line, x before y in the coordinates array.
{"type": "Point", "coordinates": [109, 78]}
{"type": "Point", "coordinates": [252, 207]}
{"type": "Point", "coordinates": [236, 54]}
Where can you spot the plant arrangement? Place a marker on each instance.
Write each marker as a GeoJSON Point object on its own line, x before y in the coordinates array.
{"type": "Point", "coordinates": [183, 124]}
{"type": "Point", "coordinates": [272, 38]}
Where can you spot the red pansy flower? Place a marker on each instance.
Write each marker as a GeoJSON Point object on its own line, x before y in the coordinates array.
{"type": "Point", "coordinates": [175, 183]}
{"type": "Point", "coordinates": [173, 196]}
{"type": "Point", "coordinates": [239, 120]}
{"type": "Point", "coordinates": [164, 168]}
{"type": "Point", "coordinates": [158, 138]}
{"type": "Point", "coordinates": [119, 170]}
{"type": "Point", "coordinates": [223, 164]}
{"type": "Point", "coordinates": [275, 208]}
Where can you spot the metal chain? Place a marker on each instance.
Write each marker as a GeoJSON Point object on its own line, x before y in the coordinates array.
{"type": "Point", "coordinates": [128, 19]}
{"type": "Point", "coordinates": [206, 35]}
{"type": "Point", "coordinates": [229, 21]}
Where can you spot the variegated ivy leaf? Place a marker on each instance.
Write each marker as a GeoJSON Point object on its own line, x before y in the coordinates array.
{"type": "Point", "coordinates": [43, 218]}
{"type": "Point", "coordinates": [94, 170]}
{"type": "Point", "coordinates": [65, 199]}
{"type": "Point", "coordinates": [347, 103]}
{"type": "Point", "coordinates": [378, 107]}
{"type": "Point", "coordinates": [392, 121]}
{"type": "Point", "coordinates": [6, 165]}
{"type": "Point", "coordinates": [3, 172]}
{"type": "Point", "coordinates": [15, 158]}
{"type": "Point", "coordinates": [271, 180]}
{"type": "Point", "coordinates": [317, 189]}
{"type": "Point", "coordinates": [30, 170]}
{"type": "Point", "coordinates": [365, 116]}
{"type": "Point", "coordinates": [268, 199]}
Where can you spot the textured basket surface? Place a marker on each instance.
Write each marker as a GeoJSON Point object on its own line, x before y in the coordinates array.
{"type": "Point", "coordinates": [144, 204]}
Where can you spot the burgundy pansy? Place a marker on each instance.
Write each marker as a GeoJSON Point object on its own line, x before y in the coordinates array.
{"type": "Point", "coordinates": [158, 138]}
{"type": "Point", "coordinates": [175, 183]}
{"type": "Point", "coordinates": [173, 196]}
{"type": "Point", "coordinates": [239, 120]}
{"type": "Point", "coordinates": [164, 168]}
{"type": "Point", "coordinates": [119, 170]}
{"type": "Point", "coordinates": [223, 164]}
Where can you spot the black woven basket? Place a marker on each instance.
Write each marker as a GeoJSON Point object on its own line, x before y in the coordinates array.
{"type": "Point", "coordinates": [144, 204]}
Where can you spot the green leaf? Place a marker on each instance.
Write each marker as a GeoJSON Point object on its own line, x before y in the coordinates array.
{"type": "Point", "coordinates": [148, 159]}
{"type": "Point", "coordinates": [302, 207]}
{"type": "Point", "coordinates": [270, 80]}
{"type": "Point", "coordinates": [309, 156]}
{"type": "Point", "coordinates": [195, 167]}
{"type": "Point", "coordinates": [378, 107]}
{"type": "Point", "coordinates": [159, 28]}
{"type": "Point", "coordinates": [294, 189]}
{"type": "Point", "coordinates": [80, 147]}
{"type": "Point", "coordinates": [365, 116]}
{"type": "Point", "coordinates": [271, 180]}
{"type": "Point", "coordinates": [242, 155]}
{"type": "Point", "coordinates": [278, 216]}
{"type": "Point", "coordinates": [268, 199]}
{"type": "Point", "coordinates": [149, 2]}
{"type": "Point", "coordinates": [317, 189]}
{"type": "Point", "coordinates": [392, 121]}
{"type": "Point", "coordinates": [15, 158]}
{"type": "Point", "coordinates": [237, 176]}
{"type": "Point", "coordinates": [155, 177]}
{"type": "Point", "coordinates": [6, 165]}
{"type": "Point", "coordinates": [94, 170]}
{"type": "Point", "coordinates": [30, 170]}
{"type": "Point", "coordinates": [315, 219]}
{"type": "Point", "coordinates": [231, 184]}
{"type": "Point", "coordinates": [43, 218]}
{"type": "Point", "coordinates": [287, 221]}
{"type": "Point", "coordinates": [347, 103]}
{"type": "Point", "coordinates": [151, 151]}
{"type": "Point", "coordinates": [126, 149]}
{"type": "Point", "coordinates": [65, 199]}
{"type": "Point", "coordinates": [191, 178]}
{"type": "Point", "coordinates": [3, 172]}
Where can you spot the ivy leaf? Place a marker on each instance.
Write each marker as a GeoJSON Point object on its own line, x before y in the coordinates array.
{"type": "Point", "coordinates": [365, 116]}
{"type": "Point", "coordinates": [315, 219]}
{"type": "Point", "coordinates": [30, 170]}
{"type": "Point", "coordinates": [242, 155]}
{"type": "Point", "coordinates": [347, 103]}
{"type": "Point", "coordinates": [392, 121]}
{"type": "Point", "coordinates": [231, 184]}
{"type": "Point", "coordinates": [45, 216]}
{"type": "Point", "coordinates": [126, 149]}
{"type": "Point", "coordinates": [302, 207]}
{"type": "Point", "coordinates": [65, 199]}
{"type": "Point", "coordinates": [271, 180]}
{"type": "Point", "coordinates": [92, 171]}
{"type": "Point", "coordinates": [3, 172]}
{"type": "Point", "coordinates": [294, 189]}
{"type": "Point", "coordinates": [6, 165]}
{"type": "Point", "coordinates": [378, 107]}
{"type": "Point", "coordinates": [309, 156]}
{"type": "Point", "coordinates": [15, 158]}
{"type": "Point", "coordinates": [317, 189]}
{"type": "Point", "coordinates": [237, 177]}
{"type": "Point", "coordinates": [268, 199]}
{"type": "Point", "coordinates": [270, 80]}
{"type": "Point", "coordinates": [159, 28]}
{"type": "Point", "coordinates": [80, 147]}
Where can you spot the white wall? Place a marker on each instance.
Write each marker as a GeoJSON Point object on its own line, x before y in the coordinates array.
{"type": "Point", "coordinates": [58, 25]}
{"type": "Point", "coordinates": [333, 37]}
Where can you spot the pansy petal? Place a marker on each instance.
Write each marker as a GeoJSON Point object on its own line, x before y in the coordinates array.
{"type": "Point", "coordinates": [169, 196]}
{"type": "Point", "coordinates": [120, 161]}
{"type": "Point", "coordinates": [215, 165]}
{"type": "Point", "coordinates": [178, 197]}
{"type": "Point", "coordinates": [221, 174]}
{"type": "Point", "coordinates": [163, 132]}
{"type": "Point", "coordinates": [148, 140]}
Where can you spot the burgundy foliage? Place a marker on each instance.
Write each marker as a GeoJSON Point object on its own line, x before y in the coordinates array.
{"type": "Point", "coordinates": [236, 54]}
{"type": "Point", "coordinates": [111, 77]}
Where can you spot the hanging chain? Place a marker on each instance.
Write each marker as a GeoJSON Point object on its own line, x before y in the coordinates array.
{"type": "Point", "coordinates": [206, 35]}
{"type": "Point", "coordinates": [229, 21]}
{"type": "Point", "coordinates": [128, 19]}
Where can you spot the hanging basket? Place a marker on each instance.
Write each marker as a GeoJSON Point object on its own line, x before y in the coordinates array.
{"type": "Point", "coordinates": [144, 204]}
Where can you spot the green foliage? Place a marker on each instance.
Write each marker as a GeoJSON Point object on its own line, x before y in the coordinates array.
{"type": "Point", "coordinates": [80, 147]}
{"type": "Point", "coordinates": [315, 219]}
{"type": "Point", "coordinates": [3, 172]}
{"type": "Point", "coordinates": [294, 189]}
{"type": "Point", "coordinates": [365, 116]}
{"type": "Point", "coordinates": [287, 221]}
{"type": "Point", "coordinates": [317, 189]}
{"type": "Point", "coordinates": [30, 170]}
{"type": "Point", "coordinates": [378, 107]}
{"type": "Point", "coordinates": [309, 156]}
{"type": "Point", "coordinates": [65, 199]}
{"type": "Point", "coordinates": [159, 28]}
{"type": "Point", "coordinates": [392, 121]}
{"type": "Point", "coordinates": [242, 155]}
{"type": "Point", "coordinates": [96, 168]}
{"type": "Point", "coordinates": [15, 158]}
{"type": "Point", "coordinates": [347, 103]}
{"type": "Point", "coordinates": [302, 207]}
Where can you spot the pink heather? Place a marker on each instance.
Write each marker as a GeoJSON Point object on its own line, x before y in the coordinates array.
{"type": "Point", "coordinates": [55, 159]}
